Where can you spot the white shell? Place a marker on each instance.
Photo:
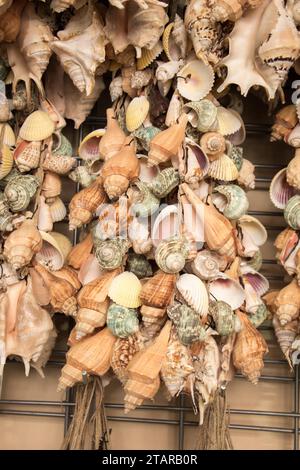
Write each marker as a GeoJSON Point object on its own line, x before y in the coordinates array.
{"type": "Point", "coordinates": [166, 225]}
{"type": "Point", "coordinates": [280, 190]}
{"type": "Point", "coordinates": [228, 290]}
{"type": "Point", "coordinates": [194, 292]}
{"type": "Point", "coordinates": [254, 234]}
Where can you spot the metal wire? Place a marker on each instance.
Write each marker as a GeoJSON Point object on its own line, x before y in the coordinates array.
{"type": "Point", "coordinates": [179, 406]}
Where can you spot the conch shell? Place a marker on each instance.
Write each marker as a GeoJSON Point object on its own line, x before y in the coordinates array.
{"type": "Point", "coordinates": [22, 244]}
{"type": "Point", "coordinates": [287, 303]}
{"type": "Point", "coordinates": [84, 204]}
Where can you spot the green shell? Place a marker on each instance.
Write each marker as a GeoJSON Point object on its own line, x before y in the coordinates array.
{"type": "Point", "coordinates": [144, 136]}
{"type": "Point", "coordinates": [171, 254]}
{"type": "Point", "coordinates": [139, 265]}
{"type": "Point", "coordinates": [292, 212]}
{"type": "Point", "coordinates": [187, 323]}
{"type": "Point", "coordinates": [164, 182]}
{"type": "Point", "coordinates": [237, 201]}
{"type": "Point", "coordinates": [4, 69]}
{"type": "Point", "coordinates": [255, 262]}
{"type": "Point", "coordinates": [236, 154]}
{"type": "Point", "coordinates": [122, 321]}
{"type": "Point", "coordinates": [110, 253]}
{"type": "Point", "coordinates": [149, 202]}
{"type": "Point", "coordinates": [206, 113]}
{"type": "Point", "coordinates": [6, 217]}
{"type": "Point", "coordinates": [224, 317]}
{"type": "Point", "coordinates": [19, 191]}
{"type": "Point", "coordinates": [65, 147]}
{"type": "Point", "coordinates": [259, 316]}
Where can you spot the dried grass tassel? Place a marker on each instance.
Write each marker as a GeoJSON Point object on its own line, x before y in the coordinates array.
{"type": "Point", "coordinates": [214, 432]}
{"type": "Point", "coordinates": [88, 429]}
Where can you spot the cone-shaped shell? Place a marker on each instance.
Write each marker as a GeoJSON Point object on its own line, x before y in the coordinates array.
{"type": "Point", "coordinates": [113, 139]}
{"type": "Point", "coordinates": [22, 244]}
{"type": "Point", "coordinates": [137, 392]}
{"type": "Point", "coordinates": [193, 291]}
{"type": "Point", "coordinates": [158, 291]}
{"type": "Point", "coordinates": [136, 113]}
{"type": "Point", "coordinates": [89, 146]}
{"type": "Point", "coordinates": [195, 80]}
{"type": "Point", "coordinates": [80, 252]}
{"type": "Point", "coordinates": [287, 303]}
{"type": "Point", "coordinates": [249, 350]}
{"type": "Point", "coordinates": [166, 144]}
{"type": "Point", "coordinates": [91, 355]}
{"type": "Point", "coordinates": [37, 126]}
{"type": "Point", "coordinates": [122, 321]}
{"type": "Point", "coordinates": [84, 204]}
{"type": "Point", "coordinates": [285, 335]}
{"type": "Point", "coordinates": [125, 290]}
{"type": "Point", "coordinates": [88, 319]}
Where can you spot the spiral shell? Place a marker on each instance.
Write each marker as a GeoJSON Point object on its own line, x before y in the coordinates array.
{"type": "Point", "coordinates": [206, 265]}
{"type": "Point", "coordinates": [27, 155]}
{"type": "Point", "coordinates": [19, 190]}
{"type": "Point", "coordinates": [147, 203]}
{"type": "Point", "coordinates": [213, 144]}
{"type": "Point", "coordinates": [231, 200]}
{"type": "Point", "coordinates": [110, 253]}
{"type": "Point", "coordinates": [139, 265]}
{"type": "Point", "coordinates": [292, 212]}
{"type": "Point", "coordinates": [164, 182]}
{"type": "Point", "coordinates": [122, 321]}
{"type": "Point", "coordinates": [205, 114]}
{"type": "Point", "coordinates": [225, 320]}
{"type": "Point", "coordinates": [187, 322]}
{"type": "Point", "coordinates": [171, 255]}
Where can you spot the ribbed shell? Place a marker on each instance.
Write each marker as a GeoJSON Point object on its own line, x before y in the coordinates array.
{"type": "Point", "coordinates": [125, 290]}
{"type": "Point", "coordinates": [292, 212]}
{"type": "Point", "coordinates": [122, 321]}
{"type": "Point", "coordinates": [37, 126]}
{"type": "Point", "coordinates": [194, 293]}
{"type": "Point", "coordinates": [158, 291]}
{"type": "Point", "coordinates": [110, 253]}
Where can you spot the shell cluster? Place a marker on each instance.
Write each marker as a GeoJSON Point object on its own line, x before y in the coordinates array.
{"type": "Point", "coordinates": [163, 284]}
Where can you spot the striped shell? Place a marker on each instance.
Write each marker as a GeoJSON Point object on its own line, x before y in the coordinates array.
{"type": "Point", "coordinates": [223, 169]}
{"type": "Point", "coordinates": [194, 293]}
{"type": "Point", "coordinates": [164, 182]}
{"type": "Point", "coordinates": [187, 322]}
{"type": "Point", "coordinates": [122, 321]}
{"type": "Point", "coordinates": [19, 191]}
{"type": "Point", "coordinates": [171, 255]}
{"type": "Point", "coordinates": [125, 290]}
{"type": "Point", "coordinates": [36, 127]}
{"type": "Point", "coordinates": [136, 113]}
{"type": "Point", "coordinates": [110, 253]}
{"type": "Point", "coordinates": [148, 56]}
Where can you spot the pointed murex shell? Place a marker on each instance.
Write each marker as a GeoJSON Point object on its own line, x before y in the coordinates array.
{"type": "Point", "coordinates": [194, 293]}
{"type": "Point", "coordinates": [231, 200]}
{"type": "Point", "coordinates": [195, 80]}
{"type": "Point", "coordinates": [81, 47]}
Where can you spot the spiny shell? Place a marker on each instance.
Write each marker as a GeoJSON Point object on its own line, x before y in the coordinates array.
{"type": "Point", "coordinates": [122, 321]}
{"type": "Point", "coordinates": [194, 293]}
{"type": "Point", "coordinates": [170, 255]}
{"type": "Point", "coordinates": [223, 169]}
{"type": "Point", "coordinates": [187, 322]}
{"type": "Point", "coordinates": [125, 290]}
{"type": "Point", "coordinates": [231, 200]}
{"type": "Point", "coordinates": [292, 212]}
{"type": "Point", "coordinates": [19, 190]}
{"type": "Point", "coordinates": [110, 253]}
{"type": "Point", "coordinates": [164, 182]}
{"type": "Point", "coordinates": [37, 126]}
{"type": "Point", "coordinates": [195, 80]}
{"type": "Point", "coordinates": [136, 113]}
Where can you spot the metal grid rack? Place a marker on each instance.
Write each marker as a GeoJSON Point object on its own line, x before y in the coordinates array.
{"type": "Point", "coordinates": [180, 407]}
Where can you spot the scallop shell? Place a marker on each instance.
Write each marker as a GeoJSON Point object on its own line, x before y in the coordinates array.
{"type": "Point", "coordinates": [110, 253]}
{"type": "Point", "coordinates": [258, 282]}
{"type": "Point", "coordinates": [254, 234]}
{"type": "Point", "coordinates": [37, 126]}
{"type": "Point", "coordinates": [207, 265]}
{"type": "Point", "coordinates": [292, 171]}
{"type": "Point", "coordinates": [228, 290]}
{"type": "Point", "coordinates": [194, 293]}
{"type": "Point", "coordinates": [231, 200]}
{"type": "Point", "coordinates": [89, 147]}
{"type": "Point", "coordinates": [166, 224]}
{"type": "Point", "coordinates": [292, 212]}
{"type": "Point", "coordinates": [58, 210]}
{"type": "Point", "coordinates": [148, 56]}
{"type": "Point", "coordinates": [8, 137]}
{"type": "Point", "coordinates": [223, 169]}
{"type": "Point", "coordinates": [122, 321]}
{"type": "Point", "coordinates": [6, 161]}
{"type": "Point", "coordinates": [195, 80]}
{"type": "Point", "coordinates": [125, 290]}
{"type": "Point", "coordinates": [280, 190]}
{"type": "Point", "coordinates": [136, 113]}
{"type": "Point", "coordinates": [171, 255]}
{"type": "Point", "coordinates": [204, 115]}
{"type": "Point", "coordinates": [54, 251]}
{"type": "Point", "coordinates": [228, 122]}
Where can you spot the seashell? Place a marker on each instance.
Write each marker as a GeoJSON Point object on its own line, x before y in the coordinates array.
{"type": "Point", "coordinates": [51, 187]}
{"type": "Point", "coordinates": [224, 10]}
{"type": "Point", "coordinates": [145, 26]}
{"type": "Point", "coordinates": [44, 222]}
{"type": "Point", "coordinates": [141, 78]}
{"type": "Point", "coordinates": [124, 350]}
{"type": "Point", "coordinates": [166, 144]}
{"type": "Point", "coordinates": [138, 234]}
{"type": "Point", "coordinates": [254, 234]}
{"type": "Point", "coordinates": [10, 21]}
{"type": "Point", "coordinates": [231, 200]}
{"type": "Point", "coordinates": [174, 110]}
{"type": "Point", "coordinates": [9, 275]}
{"type": "Point", "coordinates": [60, 164]}
{"type": "Point", "coordinates": [6, 161]}
{"type": "Point", "coordinates": [179, 35]}
{"type": "Point", "coordinates": [223, 169]}
{"type": "Point", "coordinates": [139, 265]}
{"type": "Point", "coordinates": [171, 255]}
{"type": "Point", "coordinates": [81, 66]}
{"type": "Point", "coordinates": [285, 243]}
{"type": "Point", "coordinates": [213, 144]}
{"type": "Point", "coordinates": [125, 290]}
{"type": "Point", "coordinates": [70, 275]}
{"type": "Point", "coordinates": [293, 138]}
{"type": "Point", "coordinates": [80, 252]}
{"type": "Point", "coordinates": [58, 210]}
{"type": "Point", "coordinates": [54, 251]}
{"type": "Point", "coordinates": [116, 28]}
{"type": "Point", "coordinates": [84, 204]}
{"type": "Point", "coordinates": [187, 322]}
{"type": "Point", "coordinates": [110, 253]}
{"type": "Point", "coordinates": [195, 80]}
{"type": "Point", "coordinates": [34, 41]}
{"type": "Point", "coordinates": [36, 127]}
{"type": "Point", "coordinates": [194, 293]}
{"type": "Point", "coordinates": [122, 321]}
{"type": "Point", "coordinates": [148, 56]}
{"type": "Point", "coordinates": [8, 135]}
{"type": "Point", "coordinates": [291, 212]}
{"type": "Point", "coordinates": [136, 113]}
{"type": "Point", "coordinates": [285, 121]}
{"type": "Point", "coordinates": [260, 315]}
{"type": "Point", "coordinates": [82, 175]}
{"type": "Point", "coordinates": [226, 322]}
{"type": "Point", "coordinates": [166, 71]}
{"type": "Point", "coordinates": [113, 219]}
{"type": "Point", "coordinates": [92, 312]}
{"type": "Point", "coordinates": [27, 155]}
{"type": "Point", "coordinates": [204, 115]}
{"type": "Point", "coordinates": [229, 122]}
{"type": "Point", "coordinates": [207, 265]}
{"type": "Point", "coordinates": [89, 147]}
{"type": "Point", "coordinates": [236, 155]}
{"type": "Point", "coordinates": [280, 190]}
{"type": "Point", "coordinates": [249, 349]}
{"type": "Point", "coordinates": [176, 367]}
{"type": "Point", "coordinates": [257, 281]}
{"type": "Point", "coordinates": [197, 163]}
{"type": "Point", "coordinates": [92, 355]}
{"type": "Point", "coordinates": [246, 176]}
{"type": "Point", "coordinates": [292, 171]}
{"type": "Point", "coordinates": [121, 169]}
{"type": "Point", "coordinates": [285, 335]}
{"type": "Point", "coordinates": [287, 303]}
{"type": "Point", "coordinates": [157, 293]}
{"type": "Point", "coordinates": [55, 115]}
{"type": "Point", "coordinates": [228, 290]}
{"type": "Point", "coordinates": [115, 88]}
{"type": "Point", "coordinates": [127, 72]}
{"type": "Point", "coordinates": [61, 5]}
{"type": "Point", "coordinates": [172, 50]}
{"type": "Point", "coordinates": [6, 217]}
{"type": "Point", "coordinates": [144, 135]}
{"type": "Point", "coordinates": [217, 229]}
{"type": "Point", "coordinates": [22, 244]}
{"type": "Point", "coordinates": [19, 190]}
{"type": "Point", "coordinates": [164, 182]}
